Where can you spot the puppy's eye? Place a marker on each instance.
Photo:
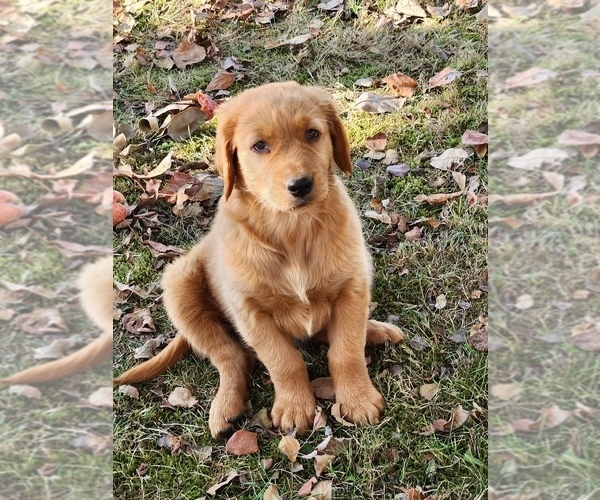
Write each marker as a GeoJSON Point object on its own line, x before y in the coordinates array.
{"type": "Point", "coordinates": [260, 147]}
{"type": "Point", "coordinates": [312, 134]}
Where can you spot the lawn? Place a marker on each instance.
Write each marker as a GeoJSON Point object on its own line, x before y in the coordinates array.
{"type": "Point", "coordinates": [54, 443]}
{"type": "Point", "coordinates": [430, 259]}
{"type": "Point", "coordinates": [542, 263]}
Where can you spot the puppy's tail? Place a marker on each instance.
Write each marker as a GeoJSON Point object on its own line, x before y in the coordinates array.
{"type": "Point", "coordinates": [86, 357]}
{"type": "Point", "coordinates": [158, 365]}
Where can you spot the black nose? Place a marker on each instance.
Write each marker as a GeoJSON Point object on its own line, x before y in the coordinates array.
{"type": "Point", "coordinates": [300, 187]}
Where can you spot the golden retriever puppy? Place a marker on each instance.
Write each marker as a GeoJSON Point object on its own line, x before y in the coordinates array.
{"type": "Point", "coordinates": [95, 282]}
{"type": "Point", "coordinates": [285, 260]}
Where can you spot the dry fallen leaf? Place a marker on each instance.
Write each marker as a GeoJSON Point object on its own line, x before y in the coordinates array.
{"type": "Point", "coordinates": [444, 77]}
{"type": "Point", "coordinates": [440, 301]}
{"type": "Point", "coordinates": [377, 142]}
{"type": "Point", "coordinates": [323, 388]}
{"type": "Point", "coordinates": [221, 81]}
{"type": "Point", "coordinates": [505, 391]}
{"type": "Point", "coordinates": [336, 412]}
{"type": "Point", "coordinates": [374, 103]}
{"type": "Point", "coordinates": [216, 487]}
{"type": "Point", "coordinates": [323, 491]}
{"type": "Point", "coordinates": [401, 85]}
{"type": "Point", "coordinates": [129, 390]}
{"type": "Point", "coordinates": [271, 493]}
{"type": "Point", "coordinates": [290, 447]}
{"type": "Point", "coordinates": [410, 8]}
{"type": "Point", "coordinates": [102, 397]}
{"type": "Point", "coordinates": [188, 53]}
{"type": "Point", "coordinates": [242, 442]}
{"type": "Point", "coordinates": [538, 158]}
{"type": "Point", "coordinates": [476, 139]}
{"type": "Point", "coordinates": [180, 396]}
{"type": "Point", "coordinates": [163, 166]}
{"type": "Point", "coordinates": [322, 462]}
{"type": "Point", "coordinates": [521, 198]}
{"type": "Point", "coordinates": [449, 158]}
{"type": "Point", "coordinates": [532, 76]}
{"type": "Point", "coordinates": [306, 488]}
{"type": "Point", "coordinates": [524, 301]}
{"type": "Point", "coordinates": [586, 336]}
{"type": "Point", "coordinates": [25, 390]}
{"type": "Point", "coordinates": [428, 391]}
{"type": "Point", "coordinates": [588, 144]}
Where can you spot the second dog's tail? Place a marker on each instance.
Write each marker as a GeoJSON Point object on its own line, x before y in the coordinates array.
{"type": "Point", "coordinates": [158, 365]}
{"type": "Point", "coordinates": [86, 357]}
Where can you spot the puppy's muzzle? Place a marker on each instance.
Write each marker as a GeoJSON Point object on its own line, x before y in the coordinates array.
{"type": "Point", "coordinates": [300, 187]}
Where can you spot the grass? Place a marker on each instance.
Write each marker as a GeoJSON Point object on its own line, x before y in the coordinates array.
{"type": "Point", "coordinates": [548, 258]}
{"type": "Point", "coordinates": [38, 458]}
{"type": "Point", "coordinates": [384, 459]}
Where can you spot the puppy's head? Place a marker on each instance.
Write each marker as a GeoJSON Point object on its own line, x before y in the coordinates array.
{"type": "Point", "coordinates": [278, 142]}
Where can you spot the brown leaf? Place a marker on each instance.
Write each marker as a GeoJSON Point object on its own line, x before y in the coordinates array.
{"type": "Point", "coordinates": [323, 491]}
{"type": "Point", "coordinates": [437, 199]}
{"type": "Point", "coordinates": [290, 447]}
{"type": "Point", "coordinates": [466, 4]}
{"type": "Point", "coordinates": [428, 391]}
{"type": "Point", "coordinates": [216, 487]}
{"type": "Point", "coordinates": [444, 77]}
{"type": "Point", "coordinates": [505, 391]}
{"type": "Point", "coordinates": [180, 396]}
{"type": "Point", "coordinates": [415, 494]}
{"type": "Point", "coordinates": [80, 166]}
{"type": "Point", "coordinates": [377, 142]}
{"type": "Point", "coordinates": [70, 249]}
{"type": "Point", "coordinates": [336, 412]}
{"type": "Point", "coordinates": [586, 336]}
{"type": "Point", "coordinates": [221, 81]}
{"type": "Point", "coordinates": [401, 85]}
{"type": "Point", "coordinates": [139, 321]}
{"type": "Point", "coordinates": [410, 8]}
{"type": "Point", "coordinates": [163, 166]}
{"type": "Point", "coordinates": [320, 419]}
{"type": "Point", "coordinates": [161, 251]}
{"type": "Point", "coordinates": [130, 391]}
{"type": "Point", "coordinates": [42, 320]}
{"type": "Point", "coordinates": [538, 158]}
{"type": "Point", "coordinates": [532, 76]}
{"type": "Point", "coordinates": [56, 349]}
{"type": "Point", "coordinates": [478, 335]}
{"type": "Point", "coordinates": [102, 397]}
{"type": "Point", "coordinates": [185, 123]}
{"type": "Point", "coordinates": [271, 493]}
{"type": "Point", "coordinates": [242, 443]}
{"type": "Point", "coordinates": [588, 144]}
{"type": "Point", "coordinates": [521, 198]}
{"type": "Point", "coordinates": [25, 390]}
{"type": "Point", "coordinates": [323, 388]}
{"type": "Point", "coordinates": [549, 418]}
{"type": "Point", "coordinates": [98, 445]}
{"type": "Point", "coordinates": [449, 159]}
{"type": "Point", "coordinates": [188, 53]}
{"type": "Point", "coordinates": [306, 489]}
{"type": "Point", "coordinates": [322, 462]}
{"type": "Point", "coordinates": [442, 11]}
{"type": "Point", "coordinates": [374, 103]}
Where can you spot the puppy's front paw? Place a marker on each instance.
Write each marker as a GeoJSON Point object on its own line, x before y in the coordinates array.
{"type": "Point", "coordinates": [226, 412]}
{"type": "Point", "coordinates": [294, 411]}
{"type": "Point", "coordinates": [380, 333]}
{"type": "Point", "coordinates": [361, 405]}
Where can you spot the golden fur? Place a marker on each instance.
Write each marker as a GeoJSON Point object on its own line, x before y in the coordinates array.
{"type": "Point", "coordinates": [95, 283]}
{"type": "Point", "coordinates": [277, 267]}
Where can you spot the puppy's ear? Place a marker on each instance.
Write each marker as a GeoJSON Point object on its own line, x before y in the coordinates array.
{"type": "Point", "coordinates": [339, 140]}
{"type": "Point", "coordinates": [225, 153]}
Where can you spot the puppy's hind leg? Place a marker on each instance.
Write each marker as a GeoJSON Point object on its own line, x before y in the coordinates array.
{"type": "Point", "coordinates": [194, 313]}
